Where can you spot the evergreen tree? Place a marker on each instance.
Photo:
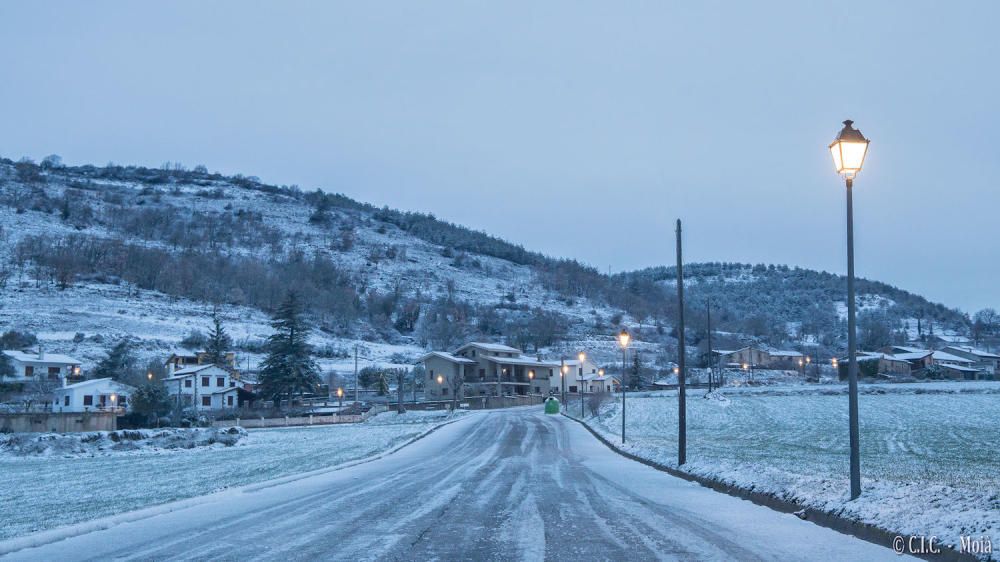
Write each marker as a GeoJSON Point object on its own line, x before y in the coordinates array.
{"type": "Point", "coordinates": [383, 384]}
{"type": "Point", "coordinates": [219, 341]}
{"type": "Point", "coordinates": [6, 368]}
{"type": "Point", "coordinates": [288, 368]}
{"type": "Point", "coordinates": [119, 363]}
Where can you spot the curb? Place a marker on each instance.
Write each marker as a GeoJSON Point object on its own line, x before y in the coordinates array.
{"type": "Point", "coordinates": [863, 531]}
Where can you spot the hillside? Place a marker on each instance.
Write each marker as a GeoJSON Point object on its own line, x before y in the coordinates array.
{"type": "Point", "coordinates": [91, 254]}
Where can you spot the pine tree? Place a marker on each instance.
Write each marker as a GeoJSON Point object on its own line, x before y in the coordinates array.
{"type": "Point", "coordinates": [119, 363]}
{"type": "Point", "coordinates": [383, 384]}
{"type": "Point", "coordinates": [288, 368]}
{"type": "Point", "coordinates": [219, 341]}
{"type": "Point", "coordinates": [6, 368]}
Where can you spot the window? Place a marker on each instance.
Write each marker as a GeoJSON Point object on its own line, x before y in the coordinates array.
{"type": "Point", "coordinates": [206, 401]}
{"type": "Point", "coordinates": [572, 388]}
{"type": "Point", "coordinates": [229, 400]}
{"type": "Point", "coordinates": [53, 371]}
{"type": "Point", "coordinates": [430, 374]}
{"type": "Point", "coordinates": [220, 381]}
{"type": "Point", "coordinates": [444, 391]}
{"type": "Point", "coordinates": [482, 374]}
{"type": "Point", "coordinates": [204, 381]}
{"type": "Point", "coordinates": [187, 383]}
{"type": "Point", "coordinates": [66, 400]}
{"type": "Point", "coordinates": [88, 400]}
{"type": "Point", "coordinates": [29, 370]}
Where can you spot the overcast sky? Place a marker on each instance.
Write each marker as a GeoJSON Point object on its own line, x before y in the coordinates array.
{"type": "Point", "coordinates": [577, 129]}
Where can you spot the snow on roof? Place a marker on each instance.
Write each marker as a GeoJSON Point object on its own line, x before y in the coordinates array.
{"type": "Point", "coordinates": [785, 353]}
{"type": "Point", "coordinates": [911, 356]}
{"type": "Point", "coordinates": [908, 349]}
{"type": "Point", "coordinates": [962, 368]}
{"type": "Point", "coordinates": [974, 351]}
{"type": "Point", "coordinates": [943, 356]}
{"type": "Point", "coordinates": [193, 370]}
{"type": "Point", "coordinates": [524, 360]}
{"type": "Point", "coordinates": [90, 382]}
{"type": "Point", "coordinates": [44, 358]}
{"type": "Point", "coordinates": [490, 347]}
{"type": "Point", "coordinates": [446, 356]}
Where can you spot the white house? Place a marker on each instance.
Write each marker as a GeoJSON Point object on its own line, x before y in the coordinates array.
{"type": "Point", "coordinates": [598, 382]}
{"type": "Point", "coordinates": [577, 373]}
{"type": "Point", "coordinates": [95, 395]}
{"type": "Point", "coordinates": [206, 387]}
{"type": "Point", "coordinates": [35, 366]}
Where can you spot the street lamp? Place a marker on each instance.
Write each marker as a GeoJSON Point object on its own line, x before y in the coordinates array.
{"type": "Point", "coordinates": [113, 398]}
{"type": "Point", "coordinates": [623, 340]}
{"type": "Point", "coordinates": [563, 369]}
{"type": "Point", "coordinates": [340, 398]}
{"type": "Point", "coordinates": [579, 382]}
{"type": "Point", "coordinates": [848, 151]}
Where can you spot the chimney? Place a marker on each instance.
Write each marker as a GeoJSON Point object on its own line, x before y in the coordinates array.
{"type": "Point", "coordinates": [41, 353]}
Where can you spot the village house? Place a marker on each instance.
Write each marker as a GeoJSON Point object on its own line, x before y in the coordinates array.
{"type": "Point", "coordinates": [30, 366]}
{"type": "Point", "coordinates": [987, 362]}
{"type": "Point", "coordinates": [486, 369]}
{"type": "Point", "coordinates": [178, 361]}
{"type": "Point", "coordinates": [95, 395]}
{"type": "Point", "coordinates": [757, 357]}
{"type": "Point", "coordinates": [205, 387]}
{"type": "Point", "coordinates": [600, 382]}
{"type": "Point", "coordinates": [577, 373]}
{"type": "Point", "coordinates": [872, 364]}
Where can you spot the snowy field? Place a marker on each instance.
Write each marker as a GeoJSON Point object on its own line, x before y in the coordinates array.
{"type": "Point", "coordinates": [43, 492]}
{"type": "Point", "coordinates": [929, 452]}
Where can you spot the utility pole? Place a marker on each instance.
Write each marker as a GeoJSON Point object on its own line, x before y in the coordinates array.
{"type": "Point", "coordinates": [356, 373]}
{"type": "Point", "coordinates": [681, 391]}
{"type": "Point", "coordinates": [711, 365]}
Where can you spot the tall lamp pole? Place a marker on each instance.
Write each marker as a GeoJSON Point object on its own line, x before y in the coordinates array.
{"type": "Point", "coordinates": [711, 367]}
{"type": "Point", "coordinates": [579, 382]}
{"type": "Point", "coordinates": [562, 380]}
{"type": "Point", "coordinates": [623, 340]}
{"type": "Point", "coordinates": [681, 371]}
{"type": "Point", "coordinates": [848, 151]}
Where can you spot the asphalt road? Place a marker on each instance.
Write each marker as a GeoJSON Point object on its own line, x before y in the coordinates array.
{"type": "Point", "coordinates": [502, 485]}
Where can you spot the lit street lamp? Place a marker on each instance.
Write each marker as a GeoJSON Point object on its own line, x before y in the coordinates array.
{"type": "Point", "coordinates": [340, 398]}
{"type": "Point", "coordinates": [848, 151]}
{"type": "Point", "coordinates": [623, 340]}
{"type": "Point", "coordinates": [579, 382]}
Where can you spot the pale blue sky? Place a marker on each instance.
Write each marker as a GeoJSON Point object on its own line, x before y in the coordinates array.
{"type": "Point", "coordinates": [578, 129]}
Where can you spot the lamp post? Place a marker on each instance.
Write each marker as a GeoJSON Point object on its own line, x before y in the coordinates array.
{"type": "Point", "coordinates": [579, 381]}
{"type": "Point", "coordinates": [340, 398]}
{"type": "Point", "coordinates": [848, 151]}
{"type": "Point", "coordinates": [113, 398]}
{"type": "Point", "coordinates": [531, 378]}
{"type": "Point", "coordinates": [563, 369]}
{"type": "Point", "coordinates": [623, 340]}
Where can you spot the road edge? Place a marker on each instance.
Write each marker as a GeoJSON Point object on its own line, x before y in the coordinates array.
{"type": "Point", "coordinates": [864, 531]}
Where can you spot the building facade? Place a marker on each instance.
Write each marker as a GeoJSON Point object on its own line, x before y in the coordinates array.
{"type": "Point", "coordinates": [29, 366]}
{"type": "Point", "coordinates": [206, 387]}
{"type": "Point", "coordinates": [486, 369]}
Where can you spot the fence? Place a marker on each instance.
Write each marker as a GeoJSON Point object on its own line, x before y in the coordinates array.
{"type": "Point", "coordinates": [289, 421]}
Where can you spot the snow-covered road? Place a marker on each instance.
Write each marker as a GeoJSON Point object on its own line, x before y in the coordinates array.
{"type": "Point", "coordinates": [501, 485]}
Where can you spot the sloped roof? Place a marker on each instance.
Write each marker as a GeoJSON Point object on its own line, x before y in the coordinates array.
{"type": "Point", "coordinates": [974, 351]}
{"type": "Point", "coordinates": [96, 381]}
{"type": "Point", "coordinates": [448, 357]}
{"type": "Point", "coordinates": [496, 347]}
{"type": "Point", "coordinates": [46, 358]}
{"type": "Point", "coordinates": [944, 356]}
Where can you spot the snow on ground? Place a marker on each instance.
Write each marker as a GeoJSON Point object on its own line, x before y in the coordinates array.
{"type": "Point", "coordinates": [929, 454]}
{"type": "Point", "coordinates": [42, 492]}
{"type": "Point", "coordinates": [116, 442]}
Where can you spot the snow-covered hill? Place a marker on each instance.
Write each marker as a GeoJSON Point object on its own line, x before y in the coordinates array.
{"type": "Point", "coordinates": [90, 254]}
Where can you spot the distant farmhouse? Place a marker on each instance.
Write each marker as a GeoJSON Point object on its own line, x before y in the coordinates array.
{"type": "Point", "coordinates": [757, 357]}
{"type": "Point", "coordinates": [953, 362]}
{"type": "Point", "coordinates": [490, 369]}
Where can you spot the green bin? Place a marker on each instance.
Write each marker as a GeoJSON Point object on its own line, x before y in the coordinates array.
{"type": "Point", "coordinates": [551, 406]}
